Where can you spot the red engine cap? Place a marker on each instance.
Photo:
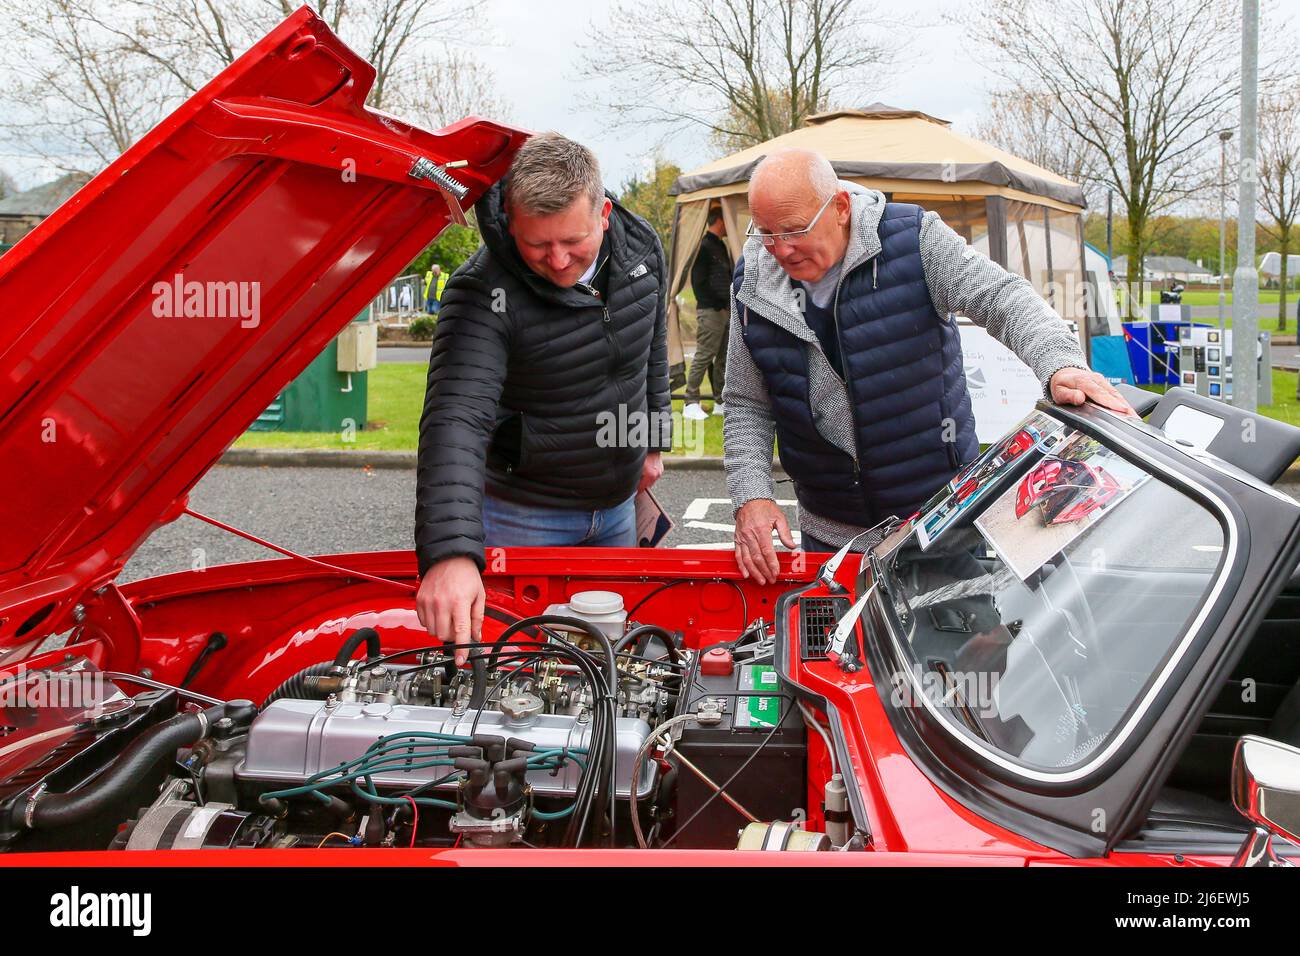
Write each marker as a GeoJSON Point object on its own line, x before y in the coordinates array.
{"type": "Point", "coordinates": [717, 662]}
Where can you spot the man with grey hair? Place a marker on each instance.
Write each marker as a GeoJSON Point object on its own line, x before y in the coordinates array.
{"type": "Point", "coordinates": [845, 353]}
{"type": "Point", "coordinates": [547, 405]}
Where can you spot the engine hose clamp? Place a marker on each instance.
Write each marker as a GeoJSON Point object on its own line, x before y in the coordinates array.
{"type": "Point", "coordinates": [30, 810]}
{"type": "Point", "coordinates": [203, 723]}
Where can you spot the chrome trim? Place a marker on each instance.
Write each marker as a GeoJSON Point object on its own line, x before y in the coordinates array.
{"type": "Point", "coordinates": [843, 630]}
{"type": "Point", "coordinates": [1193, 631]}
{"type": "Point", "coordinates": [1266, 791]}
{"type": "Point", "coordinates": [1257, 850]}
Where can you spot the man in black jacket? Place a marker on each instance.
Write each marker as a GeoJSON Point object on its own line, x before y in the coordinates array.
{"type": "Point", "coordinates": [547, 405]}
{"type": "Point", "coordinates": [711, 283]}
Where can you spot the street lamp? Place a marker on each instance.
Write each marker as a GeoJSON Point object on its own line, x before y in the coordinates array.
{"type": "Point", "coordinates": [1245, 280]}
{"type": "Point", "coordinates": [1224, 136]}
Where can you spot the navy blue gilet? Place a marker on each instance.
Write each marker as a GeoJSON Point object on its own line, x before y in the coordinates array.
{"type": "Point", "coordinates": [912, 421]}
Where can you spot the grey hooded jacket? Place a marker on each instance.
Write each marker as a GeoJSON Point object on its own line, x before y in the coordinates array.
{"type": "Point", "coordinates": [960, 280]}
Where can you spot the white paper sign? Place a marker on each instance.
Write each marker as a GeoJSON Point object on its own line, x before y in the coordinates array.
{"type": "Point", "coordinates": [1002, 388]}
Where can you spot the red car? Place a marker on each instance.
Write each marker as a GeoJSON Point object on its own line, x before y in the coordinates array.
{"type": "Point", "coordinates": [1064, 490]}
{"type": "Point", "coordinates": [631, 706]}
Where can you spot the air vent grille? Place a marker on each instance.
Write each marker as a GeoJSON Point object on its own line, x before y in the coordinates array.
{"type": "Point", "coordinates": [817, 618]}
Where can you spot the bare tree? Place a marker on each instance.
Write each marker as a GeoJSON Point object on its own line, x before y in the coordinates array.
{"type": "Point", "coordinates": [1278, 165]}
{"type": "Point", "coordinates": [438, 90]}
{"type": "Point", "coordinates": [1141, 83]}
{"type": "Point", "coordinates": [1025, 124]}
{"type": "Point", "coordinates": [193, 39]}
{"type": "Point", "coordinates": [74, 97]}
{"type": "Point", "coordinates": [743, 70]}
{"type": "Point", "coordinates": [91, 76]}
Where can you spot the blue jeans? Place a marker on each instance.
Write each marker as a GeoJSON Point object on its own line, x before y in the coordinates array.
{"type": "Point", "coordinates": [507, 524]}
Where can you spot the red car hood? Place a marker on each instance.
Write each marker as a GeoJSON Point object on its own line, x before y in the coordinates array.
{"type": "Point", "coordinates": [292, 205]}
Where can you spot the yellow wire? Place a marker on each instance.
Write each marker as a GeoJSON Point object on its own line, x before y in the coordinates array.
{"type": "Point", "coordinates": [334, 834]}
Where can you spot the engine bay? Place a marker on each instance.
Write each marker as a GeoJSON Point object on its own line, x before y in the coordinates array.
{"type": "Point", "coordinates": [576, 727]}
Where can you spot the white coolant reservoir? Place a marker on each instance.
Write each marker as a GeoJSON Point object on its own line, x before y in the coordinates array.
{"type": "Point", "coordinates": [604, 609]}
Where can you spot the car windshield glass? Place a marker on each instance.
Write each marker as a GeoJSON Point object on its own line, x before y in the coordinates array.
{"type": "Point", "coordinates": [1043, 590]}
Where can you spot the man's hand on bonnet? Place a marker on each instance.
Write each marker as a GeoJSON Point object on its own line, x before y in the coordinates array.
{"type": "Point", "coordinates": [1074, 386]}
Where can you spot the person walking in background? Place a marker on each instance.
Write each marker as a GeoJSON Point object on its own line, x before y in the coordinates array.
{"type": "Point", "coordinates": [711, 282]}
{"type": "Point", "coordinates": [434, 282]}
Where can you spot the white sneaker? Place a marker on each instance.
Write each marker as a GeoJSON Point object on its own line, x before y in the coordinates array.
{"type": "Point", "coordinates": [694, 412]}
{"type": "Point", "coordinates": [719, 409]}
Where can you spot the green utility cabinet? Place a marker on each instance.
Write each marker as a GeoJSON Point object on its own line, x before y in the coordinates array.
{"type": "Point", "coordinates": [332, 390]}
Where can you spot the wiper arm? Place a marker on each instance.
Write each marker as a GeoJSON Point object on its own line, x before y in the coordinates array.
{"type": "Point", "coordinates": [839, 639]}
{"type": "Point", "coordinates": [826, 575]}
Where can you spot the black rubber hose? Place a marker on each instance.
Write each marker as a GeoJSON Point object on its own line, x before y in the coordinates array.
{"type": "Point", "coordinates": [479, 695]}
{"type": "Point", "coordinates": [633, 637]}
{"type": "Point", "coordinates": [296, 686]}
{"type": "Point", "coordinates": [156, 744]}
{"type": "Point", "coordinates": [367, 634]}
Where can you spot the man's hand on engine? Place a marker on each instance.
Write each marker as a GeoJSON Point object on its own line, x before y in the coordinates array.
{"type": "Point", "coordinates": [754, 551]}
{"type": "Point", "coordinates": [450, 604]}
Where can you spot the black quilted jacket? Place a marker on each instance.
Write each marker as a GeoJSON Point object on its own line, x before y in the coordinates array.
{"type": "Point", "coordinates": [536, 391]}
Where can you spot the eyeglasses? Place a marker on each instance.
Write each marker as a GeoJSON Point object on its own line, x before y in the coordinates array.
{"type": "Point", "coordinates": [769, 239]}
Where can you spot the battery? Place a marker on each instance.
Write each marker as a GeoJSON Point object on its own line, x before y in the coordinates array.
{"type": "Point", "coordinates": [774, 784]}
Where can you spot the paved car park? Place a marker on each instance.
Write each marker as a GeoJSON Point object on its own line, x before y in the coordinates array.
{"type": "Point", "coordinates": [330, 510]}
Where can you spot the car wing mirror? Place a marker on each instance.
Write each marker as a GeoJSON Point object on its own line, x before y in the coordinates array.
{"type": "Point", "coordinates": [1266, 791]}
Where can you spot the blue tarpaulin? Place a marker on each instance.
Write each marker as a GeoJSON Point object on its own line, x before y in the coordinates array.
{"type": "Point", "coordinates": [1110, 358]}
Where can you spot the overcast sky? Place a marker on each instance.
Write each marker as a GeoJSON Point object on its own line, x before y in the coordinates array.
{"type": "Point", "coordinates": [534, 53]}
{"type": "Point", "coordinates": [536, 66]}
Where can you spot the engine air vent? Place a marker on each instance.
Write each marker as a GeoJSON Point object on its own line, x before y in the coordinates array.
{"type": "Point", "coordinates": [817, 618]}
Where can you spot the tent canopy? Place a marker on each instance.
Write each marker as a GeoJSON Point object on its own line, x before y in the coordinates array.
{"type": "Point", "coordinates": [1025, 217]}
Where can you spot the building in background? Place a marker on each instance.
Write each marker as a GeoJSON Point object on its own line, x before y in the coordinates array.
{"type": "Point", "coordinates": [1164, 268]}
{"type": "Point", "coordinates": [21, 212]}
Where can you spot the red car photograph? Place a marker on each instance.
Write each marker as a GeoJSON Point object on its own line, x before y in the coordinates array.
{"type": "Point", "coordinates": [1063, 491]}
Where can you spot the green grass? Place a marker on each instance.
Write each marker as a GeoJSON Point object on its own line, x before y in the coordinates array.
{"type": "Point", "coordinates": [395, 400]}
{"type": "Point", "coordinates": [1285, 407]}
{"type": "Point", "coordinates": [1267, 322]}
{"type": "Point", "coordinates": [397, 397]}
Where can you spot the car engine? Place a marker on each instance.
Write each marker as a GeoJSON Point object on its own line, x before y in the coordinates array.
{"type": "Point", "coordinates": [556, 735]}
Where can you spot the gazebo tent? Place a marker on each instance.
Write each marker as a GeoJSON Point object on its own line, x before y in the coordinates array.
{"type": "Point", "coordinates": [1026, 218]}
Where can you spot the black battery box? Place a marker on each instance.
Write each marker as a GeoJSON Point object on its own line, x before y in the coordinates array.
{"type": "Point", "coordinates": [752, 706]}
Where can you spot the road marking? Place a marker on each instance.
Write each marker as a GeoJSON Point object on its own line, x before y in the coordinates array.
{"type": "Point", "coordinates": [698, 510]}
{"type": "Point", "coordinates": [711, 525]}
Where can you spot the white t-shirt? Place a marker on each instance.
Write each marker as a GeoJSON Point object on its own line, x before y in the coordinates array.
{"type": "Point", "coordinates": [822, 290]}
{"type": "Point", "coordinates": [587, 276]}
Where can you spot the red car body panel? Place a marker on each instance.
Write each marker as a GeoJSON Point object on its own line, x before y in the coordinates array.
{"type": "Point", "coordinates": [274, 174]}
